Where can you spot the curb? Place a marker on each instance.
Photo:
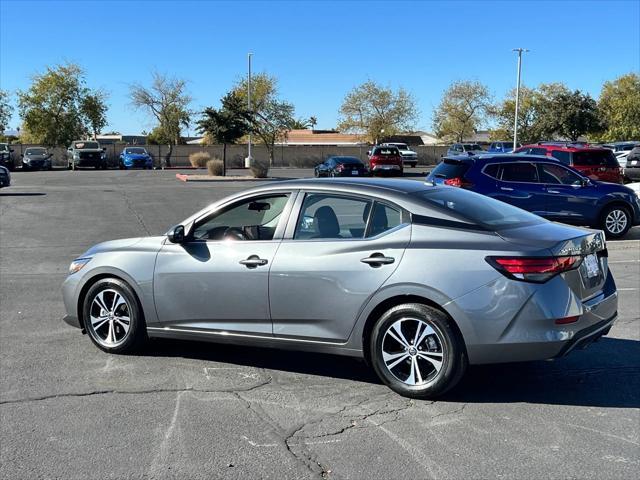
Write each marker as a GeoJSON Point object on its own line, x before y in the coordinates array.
{"type": "Point", "coordinates": [188, 178]}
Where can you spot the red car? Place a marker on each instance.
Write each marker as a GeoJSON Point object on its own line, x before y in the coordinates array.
{"type": "Point", "coordinates": [594, 162]}
{"type": "Point", "coordinates": [385, 159]}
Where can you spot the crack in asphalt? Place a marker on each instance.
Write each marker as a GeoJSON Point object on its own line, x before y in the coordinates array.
{"type": "Point", "coordinates": [134, 392]}
{"type": "Point", "coordinates": [130, 206]}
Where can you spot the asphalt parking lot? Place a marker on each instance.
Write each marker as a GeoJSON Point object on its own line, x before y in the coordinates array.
{"type": "Point", "coordinates": [195, 410]}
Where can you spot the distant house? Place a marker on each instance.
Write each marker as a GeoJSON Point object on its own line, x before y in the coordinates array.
{"type": "Point", "coordinates": [429, 138]}
{"type": "Point", "coordinates": [480, 136]}
{"type": "Point", "coordinates": [128, 139]}
{"type": "Point", "coordinates": [321, 137]}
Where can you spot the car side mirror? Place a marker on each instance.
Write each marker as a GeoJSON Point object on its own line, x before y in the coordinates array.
{"type": "Point", "coordinates": [176, 235]}
{"type": "Point", "coordinates": [585, 182]}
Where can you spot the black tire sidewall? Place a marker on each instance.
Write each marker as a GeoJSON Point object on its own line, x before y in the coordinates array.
{"type": "Point", "coordinates": [603, 223]}
{"type": "Point", "coordinates": [454, 363]}
{"type": "Point", "coordinates": [137, 328]}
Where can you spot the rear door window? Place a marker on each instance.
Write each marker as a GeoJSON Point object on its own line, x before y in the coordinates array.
{"type": "Point", "coordinates": [325, 216]}
{"type": "Point", "coordinates": [519, 172]}
{"type": "Point", "coordinates": [383, 218]}
{"type": "Point", "coordinates": [492, 170]}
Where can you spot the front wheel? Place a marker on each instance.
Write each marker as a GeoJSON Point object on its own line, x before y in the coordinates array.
{"type": "Point", "coordinates": [615, 221]}
{"type": "Point", "coordinates": [416, 352]}
{"type": "Point", "coordinates": [112, 316]}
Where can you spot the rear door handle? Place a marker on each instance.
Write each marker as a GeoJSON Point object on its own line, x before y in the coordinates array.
{"type": "Point", "coordinates": [377, 260]}
{"type": "Point", "coordinates": [254, 261]}
{"type": "Point", "coordinates": [553, 191]}
{"type": "Point", "coordinates": [506, 189]}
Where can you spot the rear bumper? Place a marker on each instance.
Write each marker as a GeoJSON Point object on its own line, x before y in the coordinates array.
{"type": "Point", "coordinates": [587, 336]}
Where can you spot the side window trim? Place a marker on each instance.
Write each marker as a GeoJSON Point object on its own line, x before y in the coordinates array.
{"type": "Point", "coordinates": [278, 234]}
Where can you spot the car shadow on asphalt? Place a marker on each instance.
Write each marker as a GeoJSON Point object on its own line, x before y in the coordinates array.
{"type": "Point", "coordinates": [22, 194]}
{"type": "Point", "coordinates": [607, 374]}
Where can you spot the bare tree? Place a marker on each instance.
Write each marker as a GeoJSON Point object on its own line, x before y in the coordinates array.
{"type": "Point", "coordinates": [167, 101]}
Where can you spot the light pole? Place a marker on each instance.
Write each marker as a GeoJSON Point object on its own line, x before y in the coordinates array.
{"type": "Point", "coordinates": [515, 121]}
{"type": "Point", "coordinates": [247, 161]}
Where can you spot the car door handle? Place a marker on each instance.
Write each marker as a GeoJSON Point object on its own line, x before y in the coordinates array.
{"type": "Point", "coordinates": [553, 191]}
{"type": "Point", "coordinates": [254, 261]}
{"type": "Point", "coordinates": [377, 260]}
{"type": "Point", "coordinates": [506, 189]}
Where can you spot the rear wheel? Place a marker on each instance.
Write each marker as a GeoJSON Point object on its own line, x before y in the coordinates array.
{"type": "Point", "coordinates": [112, 317]}
{"type": "Point", "coordinates": [416, 352]}
{"type": "Point", "coordinates": [615, 221]}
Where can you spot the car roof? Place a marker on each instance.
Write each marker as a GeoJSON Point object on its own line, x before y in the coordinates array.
{"type": "Point", "coordinates": [568, 147]}
{"type": "Point", "coordinates": [501, 158]}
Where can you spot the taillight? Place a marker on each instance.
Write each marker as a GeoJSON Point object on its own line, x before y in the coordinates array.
{"type": "Point", "coordinates": [374, 158]}
{"type": "Point", "coordinates": [458, 182]}
{"type": "Point", "coordinates": [533, 269]}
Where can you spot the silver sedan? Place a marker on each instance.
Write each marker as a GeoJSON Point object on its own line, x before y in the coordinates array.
{"type": "Point", "coordinates": [420, 280]}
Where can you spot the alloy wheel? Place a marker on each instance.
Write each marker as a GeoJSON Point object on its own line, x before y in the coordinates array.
{"type": "Point", "coordinates": [413, 351]}
{"type": "Point", "coordinates": [616, 221]}
{"type": "Point", "coordinates": [110, 318]}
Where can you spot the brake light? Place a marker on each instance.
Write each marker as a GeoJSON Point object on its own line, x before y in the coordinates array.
{"type": "Point", "coordinates": [565, 320]}
{"type": "Point", "coordinates": [533, 269]}
{"type": "Point", "coordinates": [458, 182]}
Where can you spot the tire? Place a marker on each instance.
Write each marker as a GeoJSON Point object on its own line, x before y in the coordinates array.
{"type": "Point", "coordinates": [616, 221]}
{"type": "Point", "coordinates": [432, 377]}
{"type": "Point", "coordinates": [108, 328]}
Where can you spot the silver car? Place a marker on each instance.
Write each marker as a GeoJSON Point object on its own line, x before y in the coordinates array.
{"type": "Point", "coordinates": [420, 280]}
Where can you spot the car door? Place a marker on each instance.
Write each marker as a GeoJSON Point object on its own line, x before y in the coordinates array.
{"type": "Point", "coordinates": [337, 252]}
{"type": "Point", "coordinates": [218, 279]}
{"type": "Point", "coordinates": [567, 198]}
{"type": "Point", "coordinates": [518, 185]}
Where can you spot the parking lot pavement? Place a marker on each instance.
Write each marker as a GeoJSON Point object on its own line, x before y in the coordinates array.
{"type": "Point", "coordinates": [195, 410]}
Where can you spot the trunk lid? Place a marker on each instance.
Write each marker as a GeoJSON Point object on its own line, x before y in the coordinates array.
{"type": "Point", "coordinates": [560, 240]}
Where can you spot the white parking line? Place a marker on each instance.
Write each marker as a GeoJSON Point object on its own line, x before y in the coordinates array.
{"type": "Point", "coordinates": [628, 289]}
{"type": "Point", "coordinates": [624, 261]}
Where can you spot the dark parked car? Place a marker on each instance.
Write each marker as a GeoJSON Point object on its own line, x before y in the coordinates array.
{"type": "Point", "coordinates": [385, 160]}
{"type": "Point", "coordinates": [5, 177]}
{"type": "Point", "coordinates": [86, 153]}
{"type": "Point", "coordinates": [502, 147]}
{"type": "Point", "coordinates": [597, 163]}
{"type": "Point", "coordinates": [545, 187]}
{"type": "Point", "coordinates": [36, 158]}
{"type": "Point", "coordinates": [341, 167]}
{"type": "Point", "coordinates": [465, 149]}
{"type": "Point", "coordinates": [5, 156]}
{"type": "Point", "coordinates": [633, 165]}
{"type": "Point", "coordinates": [135, 157]}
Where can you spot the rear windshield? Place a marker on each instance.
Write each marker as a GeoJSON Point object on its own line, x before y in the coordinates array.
{"type": "Point", "coordinates": [347, 160]}
{"type": "Point", "coordinates": [451, 169]}
{"type": "Point", "coordinates": [136, 151]}
{"type": "Point", "coordinates": [386, 151]}
{"type": "Point", "coordinates": [471, 146]}
{"type": "Point", "coordinates": [475, 208]}
{"type": "Point", "coordinates": [3, 147]}
{"type": "Point", "coordinates": [597, 157]}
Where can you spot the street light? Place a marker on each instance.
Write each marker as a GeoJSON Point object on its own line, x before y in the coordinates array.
{"type": "Point", "coordinates": [247, 161]}
{"type": "Point", "coordinates": [515, 121]}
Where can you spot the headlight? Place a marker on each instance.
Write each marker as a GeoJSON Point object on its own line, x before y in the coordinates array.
{"type": "Point", "coordinates": [78, 264]}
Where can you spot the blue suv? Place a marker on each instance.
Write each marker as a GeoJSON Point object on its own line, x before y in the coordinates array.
{"type": "Point", "coordinates": [545, 187]}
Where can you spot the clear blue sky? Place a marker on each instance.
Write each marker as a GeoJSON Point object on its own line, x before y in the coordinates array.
{"type": "Point", "coordinates": [318, 50]}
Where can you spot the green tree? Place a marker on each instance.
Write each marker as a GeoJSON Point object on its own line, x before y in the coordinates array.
{"type": "Point", "coordinates": [54, 110]}
{"type": "Point", "coordinates": [94, 109]}
{"type": "Point", "coordinates": [299, 124]}
{"type": "Point", "coordinates": [565, 113]}
{"type": "Point", "coordinates": [464, 109]}
{"type": "Point", "coordinates": [375, 111]}
{"type": "Point", "coordinates": [619, 106]}
{"type": "Point", "coordinates": [269, 117]}
{"type": "Point", "coordinates": [226, 125]}
{"type": "Point", "coordinates": [528, 112]}
{"type": "Point", "coordinates": [167, 101]}
{"type": "Point", "coordinates": [5, 111]}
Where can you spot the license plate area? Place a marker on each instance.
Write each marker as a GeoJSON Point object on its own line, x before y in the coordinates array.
{"type": "Point", "coordinates": [592, 266]}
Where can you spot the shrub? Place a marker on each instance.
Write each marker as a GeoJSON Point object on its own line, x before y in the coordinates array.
{"type": "Point", "coordinates": [260, 169]}
{"type": "Point", "coordinates": [199, 159]}
{"type": "Point", "coordinates": [215, 167]}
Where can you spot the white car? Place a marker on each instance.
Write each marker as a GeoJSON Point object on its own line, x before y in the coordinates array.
{"type": "Point", "coordinates": [409, 157]}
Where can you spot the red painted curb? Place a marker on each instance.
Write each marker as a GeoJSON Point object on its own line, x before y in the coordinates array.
{"type": "Point", "coordinates": [182, 177]}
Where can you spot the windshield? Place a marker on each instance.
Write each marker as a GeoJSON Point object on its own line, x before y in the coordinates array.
{"type": "Point", "coordinates": [136, 151]}
{"type": "Point", "coordinates": [449, 168]}
{"type": "Point", "coordinates": [478, 209]}
{"type": "Point", "coordinates": [86, 145]}
{"type": "Point", "coordinates": [35, 151]}
{"type": "Point", "coordinates": [471, 146]}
